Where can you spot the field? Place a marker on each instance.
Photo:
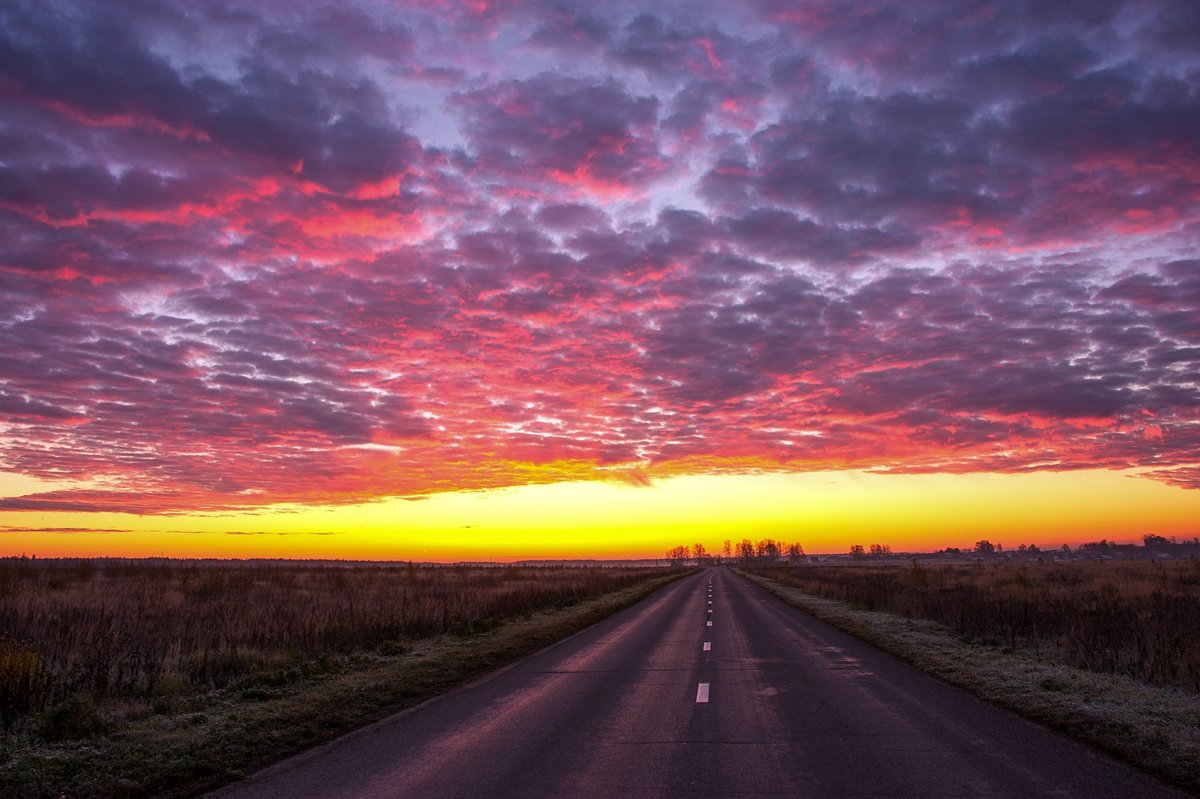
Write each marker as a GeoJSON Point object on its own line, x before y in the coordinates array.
{"type": "Point", "coordinates": [129, 633]}
{"type": "Point", "coordinates": [136, 677]}
{"type": "Point", "coordinates": [1107, 652]}
{"type": "Point", "coordinates": [1133, 618]}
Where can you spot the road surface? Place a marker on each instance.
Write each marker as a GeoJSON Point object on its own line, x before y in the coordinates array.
{"type": "Point", "coordinates": [696, 694]}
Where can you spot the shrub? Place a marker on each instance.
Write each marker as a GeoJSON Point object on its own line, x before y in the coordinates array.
{"type": "Point", "coordinates": [75, 717]}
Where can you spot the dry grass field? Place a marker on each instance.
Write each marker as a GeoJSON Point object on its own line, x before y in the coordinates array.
{"type": "Point", "coordinates": [1107, 652]}
{"type": "Point", "coordinates": [85, 641]}
{"type": "Point", "coordinates": [168, 678]}
{"type": "Point", "coordinates": [1133, 618]}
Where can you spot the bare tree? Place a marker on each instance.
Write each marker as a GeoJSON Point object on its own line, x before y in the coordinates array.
{"type": "Point", "coordinates": [767, 549]}
{"type": "Point", "coordinates": [795, 553]}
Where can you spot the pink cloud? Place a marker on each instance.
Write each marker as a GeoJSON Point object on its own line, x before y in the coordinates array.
{"type": "Point", "coordinates": [324, 266]}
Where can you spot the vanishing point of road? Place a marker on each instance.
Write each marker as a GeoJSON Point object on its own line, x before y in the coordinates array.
{"type": "Point", "coordinates": [711, 687]}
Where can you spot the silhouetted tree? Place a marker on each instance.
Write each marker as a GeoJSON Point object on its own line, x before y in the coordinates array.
{"type": "Point", "coordinates": [767, 549]}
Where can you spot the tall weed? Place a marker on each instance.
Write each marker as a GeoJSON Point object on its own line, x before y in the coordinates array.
{"type": "Point", "coordinates": [148, 631]}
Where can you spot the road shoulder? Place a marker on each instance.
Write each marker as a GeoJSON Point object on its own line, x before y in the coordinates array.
{"type": "Point", "coordinates": [1156, 729]}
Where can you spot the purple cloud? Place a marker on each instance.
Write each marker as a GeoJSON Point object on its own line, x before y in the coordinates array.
{"type": "Point", "coordinates": [358, 251]}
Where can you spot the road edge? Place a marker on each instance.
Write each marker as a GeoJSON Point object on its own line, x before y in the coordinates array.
{"type": "Point", "coordinates": [1153, 729]}
{"type": "Point", "coordinates": [190, 754]}
{"type": "Point", "coordinates": [298, 758]}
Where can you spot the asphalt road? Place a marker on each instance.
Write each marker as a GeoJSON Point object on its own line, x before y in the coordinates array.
{"type": "Point", "coordinates": [655, 702]}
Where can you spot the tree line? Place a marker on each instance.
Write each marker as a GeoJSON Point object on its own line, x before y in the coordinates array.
{"type": "Point", "coordinates": [766, 550]}
{"type": "Point", "coordinates": [769, 550]}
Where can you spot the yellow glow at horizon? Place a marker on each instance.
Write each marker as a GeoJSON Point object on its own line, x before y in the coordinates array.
{"type": "Point", "coordinates": [825, 511]}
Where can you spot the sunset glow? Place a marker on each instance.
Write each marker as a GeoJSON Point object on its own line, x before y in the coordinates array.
{"type": "Point", "coordinates": [467, 280]}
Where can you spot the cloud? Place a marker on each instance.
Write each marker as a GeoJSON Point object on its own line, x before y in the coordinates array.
{"type": "Point", "coordinates": [548, 131]}
{"type": "Point", "coordinates": [337, 254]}
{"type": "Point", "coordinates": [280, 532]}
{"type": "Point", "coordinates": [61, 530]}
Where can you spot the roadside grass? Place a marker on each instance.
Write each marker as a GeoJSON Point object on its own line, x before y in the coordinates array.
{"type": "Point", "coordinates": [1154, 728]}
{"type": "Point", "coordinates": [210, 739]}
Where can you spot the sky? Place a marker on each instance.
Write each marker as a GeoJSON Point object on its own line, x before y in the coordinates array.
{"type": "Point", "coordinates": [493, 279]}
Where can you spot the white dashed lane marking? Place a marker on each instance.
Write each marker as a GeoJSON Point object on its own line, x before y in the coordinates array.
{"type": "Point", "coordinates": [702, 689]}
